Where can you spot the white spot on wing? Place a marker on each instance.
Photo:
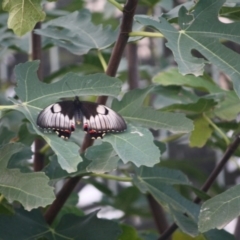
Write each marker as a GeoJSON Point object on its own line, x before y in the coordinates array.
{"type": "Point", "coordinates": [56, 108]}
{"type": "Point", "coordinates": [101, 109]}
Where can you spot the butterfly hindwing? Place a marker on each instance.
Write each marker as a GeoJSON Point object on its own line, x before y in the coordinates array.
{"type": "Point", "coordinates": [97, 119]}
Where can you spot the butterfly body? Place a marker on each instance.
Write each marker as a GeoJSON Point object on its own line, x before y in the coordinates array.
{"type": "Point", "coordinates": [97, 120]}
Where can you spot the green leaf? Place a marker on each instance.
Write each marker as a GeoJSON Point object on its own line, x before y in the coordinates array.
{"type": "Point", "coordinates": [20, 160]}
{"type": "Point", "coordinates": [173, 78]}
{"type": "Point", "coordinates": [125, 199]}
{"type": "Point", "coordinates": [218, 235]}
{"type": "Point", "coordinates": [88, 227]}
{"type": "Point", "coordinates": [173, 95]}
{"type": "Point", "coordinates": [157, 182]}
{"type": "Point", "coordinates": [26, 134]}
{"type": "Point", "coordinates": [130, 108]}
{"type": "Point", "coordinates": [179, 235]}
{"type": "Point", "coordinates": [202, 105]}
{"type": "Point", "coordinates": [70, 227]}
{"type": "Point", "coordinates": [220, 210]}
{"type": "Point", "coordinates": [160, 175]}
{"type": "Point", "coordinates": [210, 235]}
{"type": "Point", "coordinates": [185, 223]}
{"type": "Point", "coordinates": [17, 226]}
{"type": "Point", "coordinates": [6, 135]}
{"type": "Point", "coordinates": [135, 145]}
{"type": "Point", "coordinates": [76, 33]}
{"type": "Point", "coordinates": [54, 171]}
{"type": "Point", "coordinates": [131, 100]}
{"type": "Point", "coordinates": [230, 13]}
{"type": "Point", "coordinates": [226, 109]}
{"type": "Point", "coordinates": [201, 133]}
{"type": "Point", "coordinates": [229, 108]}
{"type": "Point", "coordinates": [30, 189]}
{"type": "Point", "coordinates": [128, 232]}
{"type": "Point", "coordinates": [196, 34]}
{"type": "Point", "coordinates": [104, 158]}
{"type": "Point", "coordinates": [36, 95]}
{"type": "Point", "coordinates": [23, 15]}
{"type": "Point", "coordinates": [6, 208]}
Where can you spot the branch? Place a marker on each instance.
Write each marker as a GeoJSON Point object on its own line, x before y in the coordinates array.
{"type": "Point", "coordinates": [126, 27]}
{"type": "Point", "coordinates": [36, 51]}
{"type": "Point", "coordinates": [158, 214]}
{"type": "Point", "coordinates": [61, 198]}
{"type": "Point", "coordinates": [229, 152]}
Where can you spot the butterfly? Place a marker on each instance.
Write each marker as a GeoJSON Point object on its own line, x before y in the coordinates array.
{"type": "Point", "coordinates": [97, 120]}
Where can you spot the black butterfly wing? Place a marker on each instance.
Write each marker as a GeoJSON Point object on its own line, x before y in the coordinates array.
{"type": "Point", "coordinates": [58, 117]}
{"type": "Point", "coordinates": [98, 120]}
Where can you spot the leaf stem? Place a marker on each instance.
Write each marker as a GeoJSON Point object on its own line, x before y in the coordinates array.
{"type": "Point", "coordinates": [44, 149]}
{"type": "Point", "coordinates": [107, 176]}
{"type": "Point", "coordinates": [145, 34]}
{"type": "Point", "coordinates": [1, 198]}
{"type": "Point", "coordinates": [102, 60]}
{"type": "Point", "coordinates": [172, 137]}
{"type": "Point", "coordinates": [221, 133]}
{"type": "Point", "coordinates": [116, 4]}
{"type": "Point", "coordinates": [6, 107]}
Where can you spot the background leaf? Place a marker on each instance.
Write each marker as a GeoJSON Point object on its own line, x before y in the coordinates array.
{"type": "Point", "coordinates": [132, 111]}
{"type": "Point", "coordinates": [220, 210]}
{"type": "Point", "coordinates": [17, 226]}
{"type": "Point", "coordinates": [198, 137]}
{"type": "Point", "coordinates": [76, 33]}
{"type": "Point", "coordinates": [23, 15]}
{"type": "Point", "coordinates": [104, 158]}
{"type": "Point", "coordinates": [30, 189]}
{"type": "Point", "coordinates": [195, 34]}
{"type": "Point", "coordinates": [226, 109]}
{"type": "Point", "coordinates": [86, 227]}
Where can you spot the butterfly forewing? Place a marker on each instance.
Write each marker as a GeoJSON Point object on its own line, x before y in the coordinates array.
{"type": "Point", "coordinates": [96, 119]}
{"type": "Point", "coordinates": [101, 119]}
{"type": "Point", "coordinates": [58, 117]}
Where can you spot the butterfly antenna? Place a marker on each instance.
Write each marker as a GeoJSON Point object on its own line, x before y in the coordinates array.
{"type": "Point", "coordinates": [75, 95]}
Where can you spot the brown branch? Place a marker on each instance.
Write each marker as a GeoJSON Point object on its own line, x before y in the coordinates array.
{"type": "Point", "coordinates": [61, 198]}
{"type": "Point", "coordinates": [132, 57]}
{"type": "Point", "coordinates": [229, 152]}
{"type": "Point", "coordinates": [36, 51]}
{"type": "Point", "coordinates": [158, 214]}
{"type": "Point", "coordinates": [237, 229]}
{"type": "Point", "coordinates": [126, 26]}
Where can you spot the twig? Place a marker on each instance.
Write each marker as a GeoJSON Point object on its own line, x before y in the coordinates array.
{"type": "Point", "coordinates": [229, 152]}
{"type": "Point", "coordinates": [107, 176]}
{"type": "Point", "coordinates": [146, 34]}
{"type": "Point", "coordinates": [221, 133]}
